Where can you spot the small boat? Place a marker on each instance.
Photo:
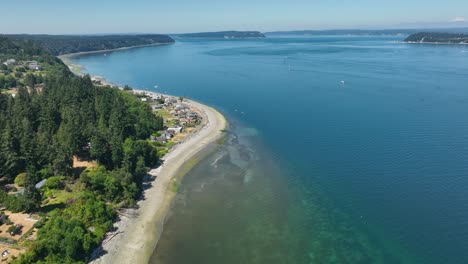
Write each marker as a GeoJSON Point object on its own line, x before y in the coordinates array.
{"type": "Point", "coordinates": [342, 82]}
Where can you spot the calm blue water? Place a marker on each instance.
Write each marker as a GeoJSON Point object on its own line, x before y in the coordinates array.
{"type": "Point", "coordinates": [374, 170]}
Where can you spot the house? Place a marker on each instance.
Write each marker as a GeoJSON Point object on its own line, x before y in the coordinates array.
{"type": "Point", "coordinates": [192, 114]}
{"type": "Point", "coordinates": [168, 135]}
{"type": "Point", "coordinates": [169, 100]}
{"type": "Point", "coordinates": [192, 117]}
{"type": "Point", "coordinates": [144, 99]}
{"type": "Point", "coordinates": [180, 107]}
{"type": "Point", "coordinates": [176, 130]}
{"type": "Point", "coordinates": [155, 97]}
{"type": "Point", "coordinates": [158, 106]}
{"type": "Point", "coordinates": [40, 184]}
{"type": "Point", "coordinates": [35, 67]}
{"type": "Point", "coordinates": [10, 62]}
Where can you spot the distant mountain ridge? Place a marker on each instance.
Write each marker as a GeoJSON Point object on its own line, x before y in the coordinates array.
{"type": "Point", "coordinates": [223, 34]}
{"type": "Point", "coordinates": [64, 44]}
{"type": "Point", "coordinates": [438, 37]}
{"type": "Point", "coordinates": [363, 32]}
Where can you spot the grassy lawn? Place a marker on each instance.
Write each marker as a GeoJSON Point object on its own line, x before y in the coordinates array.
{"type": "Point", "coordinates": [164, 113]}
{"type": "Point", "coordinates": [170, 123]}
{"type": "Point", "coordinates": [60, 197]}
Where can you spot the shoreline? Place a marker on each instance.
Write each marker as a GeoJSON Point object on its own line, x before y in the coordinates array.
{"type": "Point", "coordinates": [76, 68]}
{"type": "Point", "coordinates": [137, 231]}
{"type": "Point", "coordinates": [136, 237]}
{"type": "Point", "coordinates": [71, 55]}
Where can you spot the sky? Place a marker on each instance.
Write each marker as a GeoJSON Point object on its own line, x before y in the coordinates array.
{"type": "Point", "coordinates": [183, 16]}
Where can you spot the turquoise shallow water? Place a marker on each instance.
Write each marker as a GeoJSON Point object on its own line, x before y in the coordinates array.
{"type": "Point", "coordinates": [370, 171]}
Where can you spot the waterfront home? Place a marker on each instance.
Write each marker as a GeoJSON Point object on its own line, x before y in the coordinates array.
{"type": "Point", "coordinates": [192, 117]}
{"type": "Point", "coordinates": [176, 130]}
{"type": "Point", "coordinates": [169, 101]}
{"type": "Point", "coordinates": [180, 107]}
{"type": "Point", "coordinates": [168, 135]}
{"type": "Point", "coordinates": [155, 97]}
{"type": "Point", "coordinates": [144, 99]}
{"type": "Point", "coordinates": [192, 114]}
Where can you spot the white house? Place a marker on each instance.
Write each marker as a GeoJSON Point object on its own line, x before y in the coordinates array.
{"type": "Point", "coordinates": [35, 67]}
{"type": "Point", "coordinates": [10, 62]}
{"type": "Point", "coordinates": [177, 129]}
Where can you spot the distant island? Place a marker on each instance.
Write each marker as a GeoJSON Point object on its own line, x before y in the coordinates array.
{"type": "Point", "coordinates": [66, 44]}
{"type": "Point", "coordinates": [224, 34]}
{"type": "Point", "coordinates": [436, 37]}
{"type": "Point", "coordinates": [361, 32]}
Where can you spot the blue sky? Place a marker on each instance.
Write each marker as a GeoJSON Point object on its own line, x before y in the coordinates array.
{"type": "Point", "coordinates": [177, 16]}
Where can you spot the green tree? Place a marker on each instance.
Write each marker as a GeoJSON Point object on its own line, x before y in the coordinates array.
{"type": "Point", "coordinates": [30, 80]}
{"type": "Point", "coordinates": [20, 180]}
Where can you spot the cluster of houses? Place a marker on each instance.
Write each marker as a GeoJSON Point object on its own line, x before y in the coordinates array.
{"type": "Point", "coordinates": [32, 65]}
{"type": "Point", "coordinates": [182, 115]}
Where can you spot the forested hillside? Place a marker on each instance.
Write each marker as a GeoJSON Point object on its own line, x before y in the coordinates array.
{"type": "Point", "coordinates": [18, 73]}
{"type": "Point", "coordinates": [64, 44]}
{"type": "Point", "coordinates": [434, 37]}
{"type": "Point", "coordinates": [224, 34]}
{"type": "Point", "coordinates": [44, 130]}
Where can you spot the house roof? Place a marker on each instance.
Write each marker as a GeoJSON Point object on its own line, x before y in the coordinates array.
{"type": "Point", "coordinates": [40, 184]}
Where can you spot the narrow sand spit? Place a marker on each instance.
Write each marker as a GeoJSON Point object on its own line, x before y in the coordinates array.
{"type": "Point", "coordinates": [139, 230]}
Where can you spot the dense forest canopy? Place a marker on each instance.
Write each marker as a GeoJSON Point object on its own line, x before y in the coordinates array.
{"type": "Point", "coordinates": [436, 37]}
{"type": "Point", "coordinates": [65, 44]}
{"type": "Point", "coordinates": [43, 130]}
{"type": "Point", "coordinates": [224, 34]}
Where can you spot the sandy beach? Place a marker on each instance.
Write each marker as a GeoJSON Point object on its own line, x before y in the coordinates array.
{"type": "Point", "coordinates": [138, 230]}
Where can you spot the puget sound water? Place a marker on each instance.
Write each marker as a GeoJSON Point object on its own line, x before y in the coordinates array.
{"type": "Point", "coordinates": [340, 149]}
